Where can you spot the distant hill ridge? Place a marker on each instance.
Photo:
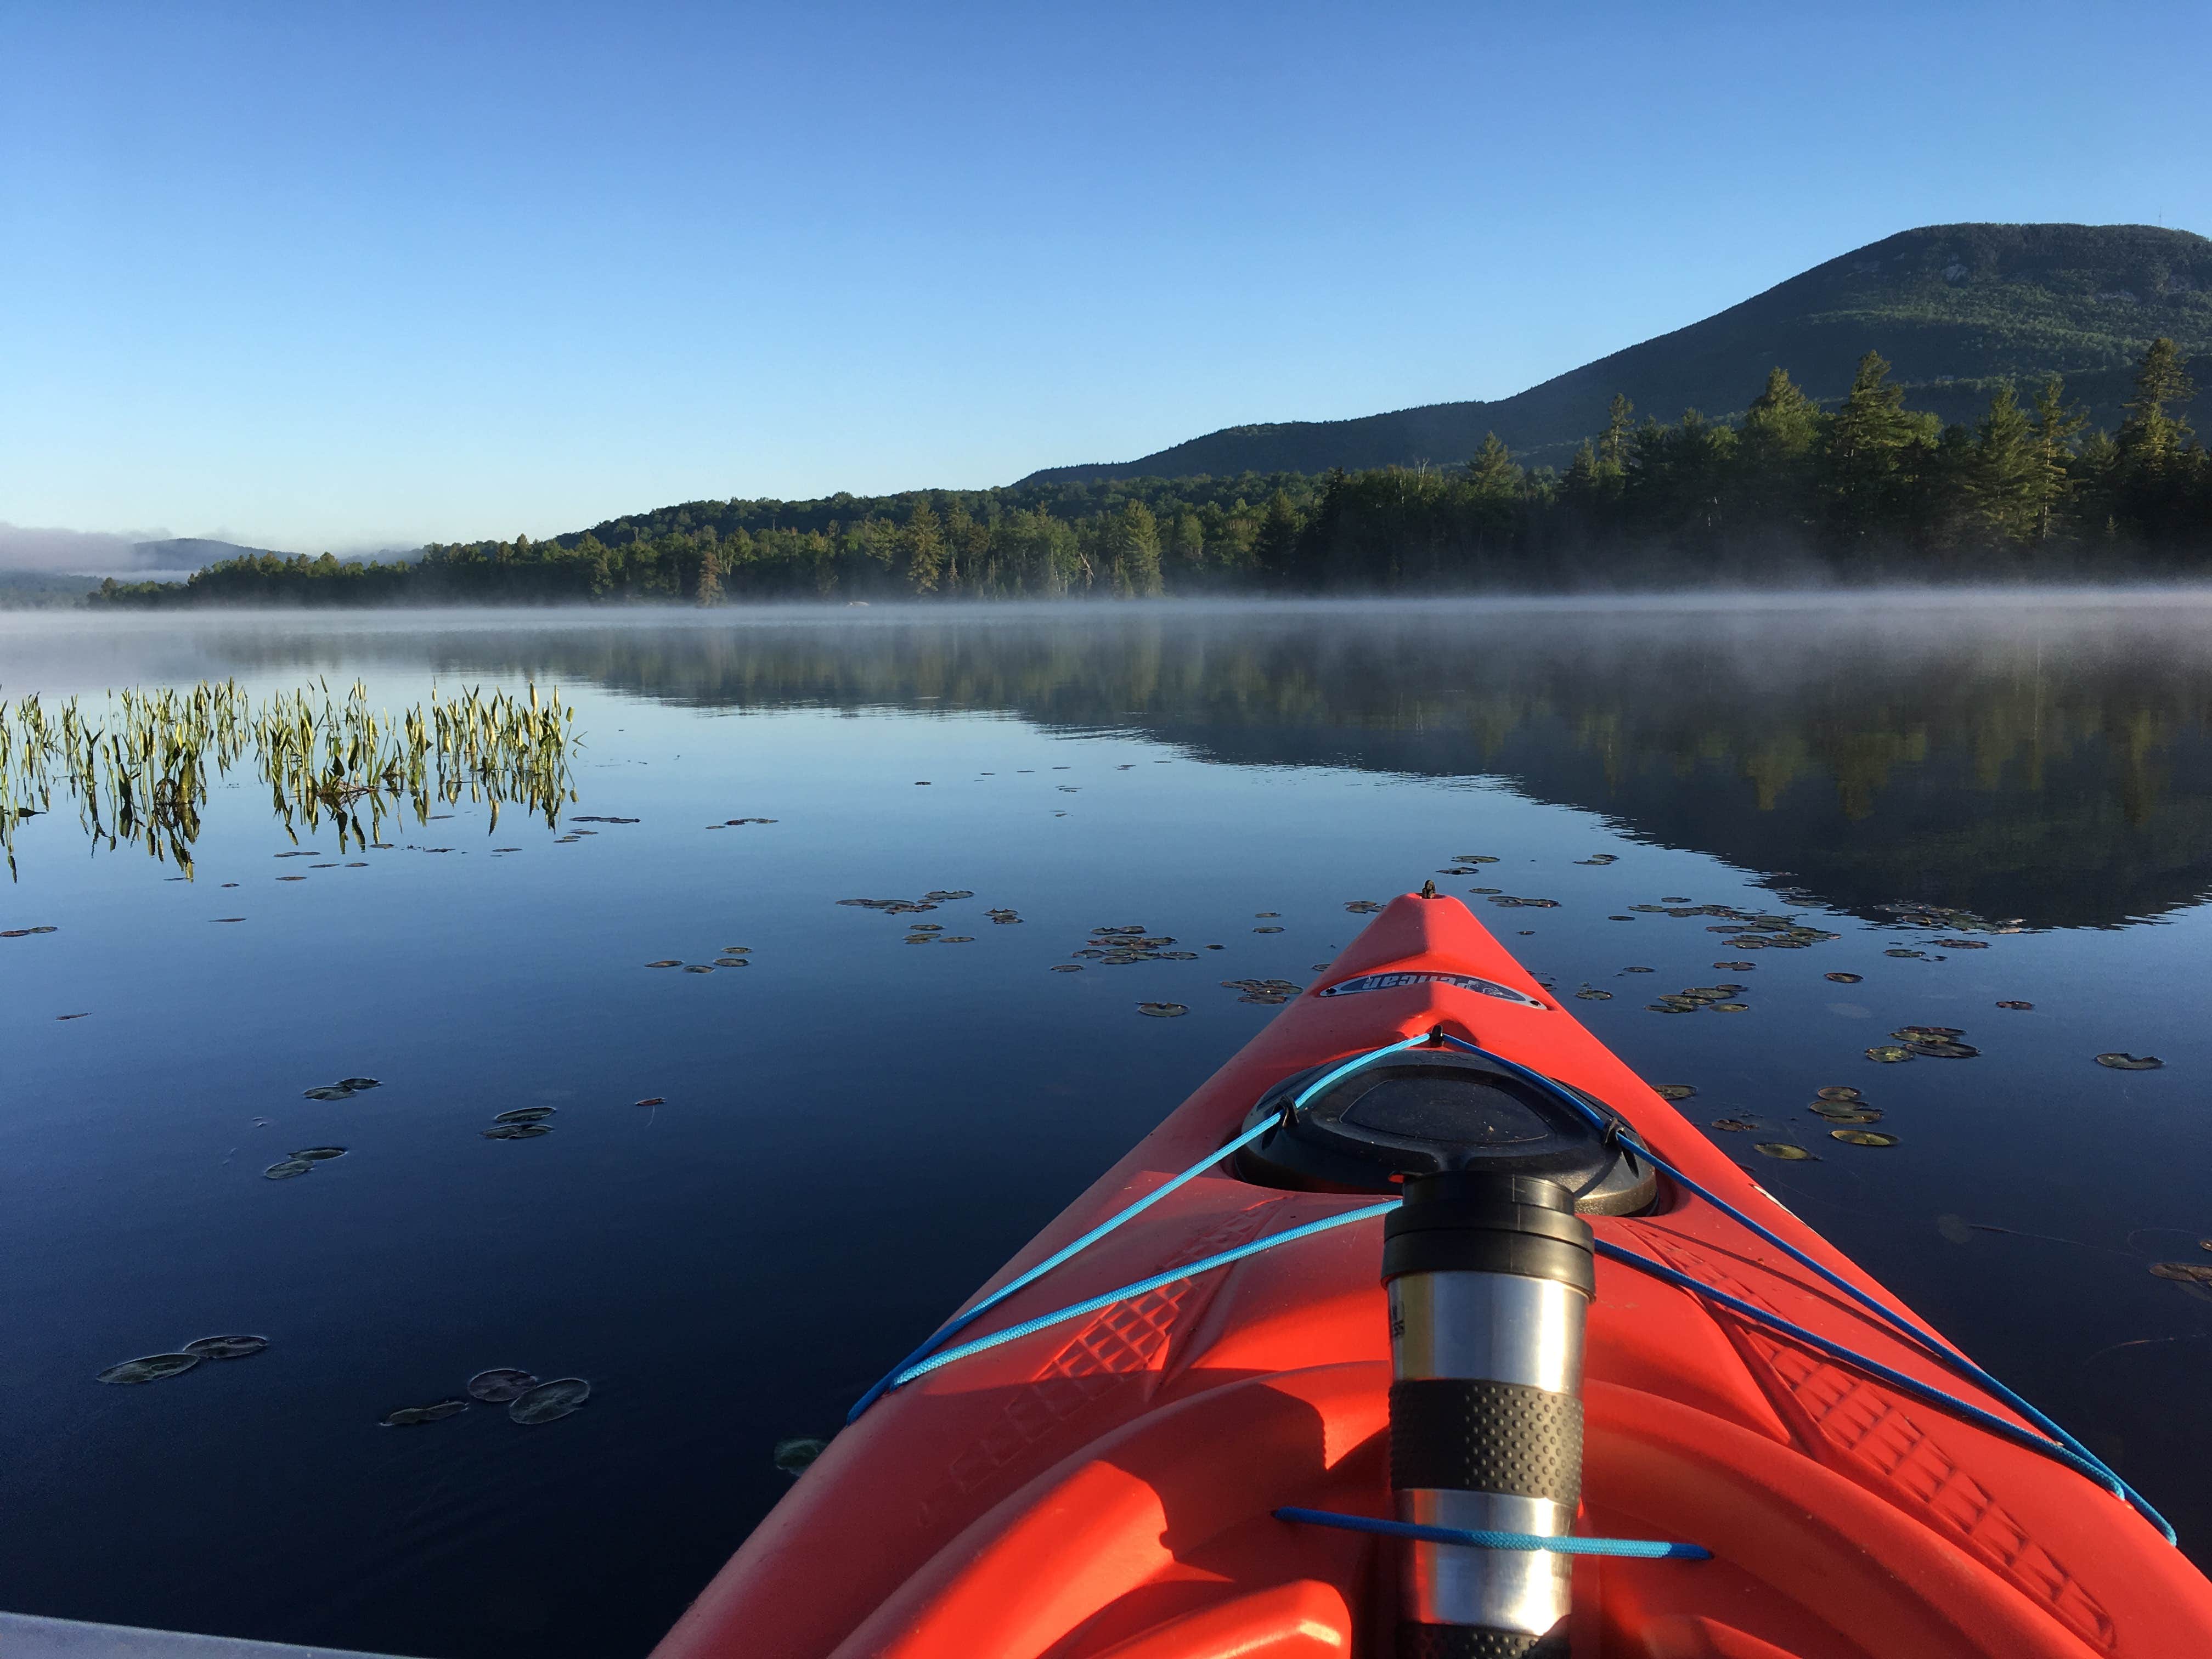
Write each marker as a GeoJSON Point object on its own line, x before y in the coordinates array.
{"type": "Point", "coordinates": [1953, 307]}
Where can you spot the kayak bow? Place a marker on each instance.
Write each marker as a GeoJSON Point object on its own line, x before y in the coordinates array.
{"type": "Point", "coordinates": [1188, 1421]}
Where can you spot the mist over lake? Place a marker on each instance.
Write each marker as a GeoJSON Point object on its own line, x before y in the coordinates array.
{"type": "Point", "coordinates": [762, 1182]}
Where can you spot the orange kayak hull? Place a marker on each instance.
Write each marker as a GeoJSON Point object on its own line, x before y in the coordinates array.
{"type": "Point", "coordinates": [1106, 1487]}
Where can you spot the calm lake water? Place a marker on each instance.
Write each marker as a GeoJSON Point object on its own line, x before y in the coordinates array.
{"type": "Point", "coordinates": [856, 1131]}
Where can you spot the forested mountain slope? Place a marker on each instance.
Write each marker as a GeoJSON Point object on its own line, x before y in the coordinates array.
{"type": "Point", "coordinates": [1952, 307]}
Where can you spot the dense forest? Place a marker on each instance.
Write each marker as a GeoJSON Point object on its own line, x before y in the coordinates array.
{"type": "Point", "coordinates": [1866, 490]}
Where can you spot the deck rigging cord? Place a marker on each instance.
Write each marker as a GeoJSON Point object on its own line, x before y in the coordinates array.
{"type": "Point", "coordinates": [2059, 1445]}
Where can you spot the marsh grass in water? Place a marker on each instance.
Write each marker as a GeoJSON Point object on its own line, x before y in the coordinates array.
{"type": "Point", "coordinates": [139, 764]}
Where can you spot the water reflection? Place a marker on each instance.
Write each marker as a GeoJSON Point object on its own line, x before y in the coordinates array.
{"type": "Point", "coordinates": [2045, 761]}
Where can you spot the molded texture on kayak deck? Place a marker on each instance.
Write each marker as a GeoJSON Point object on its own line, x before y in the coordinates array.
{"type": "Point", "coordinates": [1105, 1487]}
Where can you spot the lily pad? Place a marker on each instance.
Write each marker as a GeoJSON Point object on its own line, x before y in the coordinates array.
{"type": "Point", "coordinates": [516, 1131]}
{"type": "Point", "coordinates": [1784, 1150]}
{"type": "Point", "coordinates": [1839, 1111]}
{"type": "Point", "coordinates": [943, 895]}
{"type": "Point", "coordinates": [2017, 1007]}
{"type": "Point", "coordinates": [654, 1100]}
{"type": "Point", "coordinates": [2189, 1273]}
{"type": "Point", "coordinates": [1863, 1137]}
{"type": "Point", "coordinates": [1735, 966]}
{"type": "Point", "coordinates": [1926, 1033]}
{"type": "Point", "coordinates": [358, 1084]}
{"type": "Point", "coordinates": [1844, 979]}
{"type": "Point", "coordinates": [1589, 993]}
{"type": "Point", "coordinates": [550, 1401]}
{"type": "Point", "coordinates": [1066, 968]}
{"type": "Point", "coordinates": [227, 1347]}
{"type": "Point", "coordinates": [1731, 1007]}
{"type": "Point", "coordinates": [151, 1368]}
{"type": "Point", "coordinates": [2130, 1062]}
{"type": "Point", "coordinates": [697, 968]}
{"type": "Point", "coordinates": [526, 1114]}
{"type": "Point", "coordinates": [1267, 930]}
{"type": "Point", "coordinates": [501, 1384]}
{"type": "Point", "coordinates": [1889, 1054]}
{"type": "Point", "coordinates": [1162, 1009]}
{"type": "Point", "coordinates": [666, 962]}
{"type": "Point", "coordinates": [1946, 1050]}
{"type": "Point", "coordinates": [327, 1094]}
{"type": "Point", "coordinates": [414, 1417]}
{"type": "Point", "coordinates": [1674, 1091]}
{"type": "Point", "coordinates": [1838, 1091]}
{"type": "Point", "coordinates": [289, 1168]}
{"type": "Point", "coordinates": [795, 1454]}
{"type": "Point", "coordinates": [1730, 1123]}
{"type": "Point", "coordinates": [319, 1154]}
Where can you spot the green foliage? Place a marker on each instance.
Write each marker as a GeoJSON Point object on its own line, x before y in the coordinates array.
{"type": "Point", "coordinates": [1956, 307]}
{"type": "Point", "coordinates": [1875, 487]}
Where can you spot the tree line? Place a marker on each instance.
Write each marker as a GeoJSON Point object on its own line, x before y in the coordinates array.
{"type": "Point", "coordinates": [1866, 489]}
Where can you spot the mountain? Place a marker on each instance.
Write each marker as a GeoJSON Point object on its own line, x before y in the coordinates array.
{"type": "Point", "coordinates": [1953, 307]}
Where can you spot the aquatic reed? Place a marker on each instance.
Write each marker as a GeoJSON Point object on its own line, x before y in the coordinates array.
{"type": "Point", "coordinates": [137, 763]}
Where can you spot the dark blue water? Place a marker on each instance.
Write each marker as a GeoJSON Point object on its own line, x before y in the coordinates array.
{"type": "Point", "coordinates": [855, 1130]}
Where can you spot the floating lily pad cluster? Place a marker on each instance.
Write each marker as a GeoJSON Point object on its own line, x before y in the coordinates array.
{"type": "Point", "coordinates": [1263, 990]}
{"type": "Point", "coordinates": [1468, 864]}
{"type": "Point", "coordinates": [1695, 999]}
{"type": "Point", "coordinates": [1942, 919]}
{"type": "Point", "coordinates": [302, 1161]}
{"type": "Point", "coordinates": [155, 1367]}
{"type": "Point", "coordinates": [343, 1089]}
{"type": "Point", "coordinates": [910, 907]}
{"type": "Point", "coordinates": [1511, 903]}
{"type": "Point", "coordinates": [1003, 918]}
{"type": "Point", "coordinates": [1363, 907]}
{"type": "Point", "coordinates": [733, 956]}
{"type": "Point", "coordinates": [929, 933]}
{"type": "Point", "coordinates": [522, 1123]}
{"type": "Point", "coordinates": [1115, 947]}
{"type": "Point", "coordinates": [1600, 859]}
{"type": "Point", "coordinates": [528, 1402]}
{"type": "Point", "coordinates": [24, 933]}
{"type": "Point", "coordinates": [1591, 994]}
{"type": "Point", "coordinates": [727, 824]}
{"type": "Point", "coordinates": [1922, 1041]}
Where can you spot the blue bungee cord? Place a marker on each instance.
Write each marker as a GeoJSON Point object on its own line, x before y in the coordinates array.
{"type": "Point", "coordinates": [2061, 1447]}
{"type": "Point", "coordinates": [1936, 1347]}
{"type": "Point", "coordinates": [920, 1362]}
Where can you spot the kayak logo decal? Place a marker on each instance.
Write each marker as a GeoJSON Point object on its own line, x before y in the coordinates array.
{"type": "Point", "coordinates": [1391, 981]}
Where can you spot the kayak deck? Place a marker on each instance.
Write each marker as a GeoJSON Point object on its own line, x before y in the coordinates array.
{"type": "Point", "coordinates": [1107, 1486]}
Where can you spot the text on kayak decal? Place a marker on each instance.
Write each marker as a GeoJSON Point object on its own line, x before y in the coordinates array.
{"type": "Point", "coordinates": [1392, 982]}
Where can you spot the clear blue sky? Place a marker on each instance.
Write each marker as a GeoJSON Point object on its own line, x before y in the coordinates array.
{"type": "Point", "coordinates": [321, 275]}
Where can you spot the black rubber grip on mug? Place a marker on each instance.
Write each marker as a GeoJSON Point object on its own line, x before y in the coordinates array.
{"type": "Point", "coordinates": [1455, 1435]}
{"type": "Point", "coordinates": [1467, 1642]}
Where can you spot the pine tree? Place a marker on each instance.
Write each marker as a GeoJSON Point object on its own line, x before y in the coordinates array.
{"type": "Point", "coordinates": [1187, 543]}
{"type": "Point", "coordinates": [2151, 437]}
{"type": "Point", "coordinates": [1275, 547]}
{"type": "Point", "coordinates": [2057, 422]}
{"type": "Point", "coordinates": [1613, 443]}
{"type": "Point", "coordinates": [2005, 474]}
{"type": "Point", "coordinates": [1868, 460]}
{"type": "Point", "coordinates": [708, 592]}
{"type": "Point", "coordinates": [1131, 545]}
{"type": "Point", "coordinates": [925, 549]}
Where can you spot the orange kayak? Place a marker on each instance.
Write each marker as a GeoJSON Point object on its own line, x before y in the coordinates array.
{"type": "Point", "coordinates": [1114, 1483]}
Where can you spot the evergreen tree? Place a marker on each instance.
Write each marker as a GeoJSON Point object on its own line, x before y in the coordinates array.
{"type": "Point", "coordinates": [1187, 545]}
{"type": "Point", "coordinates": [1275, 543]}
{"type": "Point", "coordinates": [1131, 547]}
{"type": "Point", "coordinates": [1774, 452]}
{"type": "Point", "coordinates": [708, 591]}
{"type": "Point", "coordinates": [1868, 464]}
{"type": "Point", "coordinates": [2152, 436]}
{"type": "Point", "coordinates": [924, 545]}
{"type": "Point", "coordinates": [1613, 443]}
{"type": "Point", "coordinates": [2057, 422]}
{"type": "Point", "coordinates": [2005, 475]}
